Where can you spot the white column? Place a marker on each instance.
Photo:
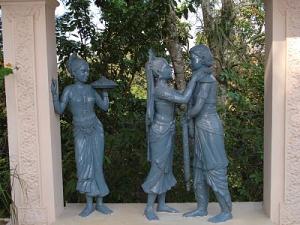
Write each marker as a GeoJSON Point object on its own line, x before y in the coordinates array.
{"type": "Point", "coordinates": [33, 127]}
{"type": "Point", "coordinates": [282, 112]}
{"type": "Point", "coordinates": [290, 207]}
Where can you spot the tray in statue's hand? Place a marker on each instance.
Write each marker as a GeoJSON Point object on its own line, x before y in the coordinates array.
{"type": "Point", "coordinates": [103, 83]}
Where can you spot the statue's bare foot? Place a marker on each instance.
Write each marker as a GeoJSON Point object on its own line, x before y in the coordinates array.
{"type": "Point", "coordinates": [150, 214]}
{"type": "Point", "coordinates": [196, 212]}
{"type": "Point", "coordinates": [87, 210]}
{"type": "Point", "coordinates": [103, 209]}
{"type": "Point", "coordinates": [222, 217]}
{"type": "Point", "coordinates": [165, 208]}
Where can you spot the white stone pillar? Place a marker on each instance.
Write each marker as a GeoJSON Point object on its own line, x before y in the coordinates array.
{"type": "Point", "coordinates": [282, 112]}
{"type": "Point", "coordinates": [33, 128]}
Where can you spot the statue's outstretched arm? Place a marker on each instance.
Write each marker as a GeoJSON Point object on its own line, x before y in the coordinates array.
{"type": "Point", "coordinates": [102, 100]}
{"type": "Point", "coordinates": [173, 95]}
{"type": "Point", "coordinates": [59, 105]}
{"type": "Point", "coordinates": [200, 100]}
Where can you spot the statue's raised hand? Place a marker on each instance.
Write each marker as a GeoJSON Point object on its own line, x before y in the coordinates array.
{"type": "Point", "coordinates": [54, 88]}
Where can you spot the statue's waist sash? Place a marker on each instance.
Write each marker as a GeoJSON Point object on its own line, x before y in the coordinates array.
{"type": "Point", "coordinates": [160, 128]}
{"type": "Point", "coordinates": [87, 125]}
{"type": "Point", "coordinates": [210, 122]}
{"type": "Point", "coordinates": [85, 121]}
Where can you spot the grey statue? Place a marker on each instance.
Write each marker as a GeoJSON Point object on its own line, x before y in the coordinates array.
{"type": "Point", "coordinates": [88, 133]}
{"type": "Point", "coordinates": [210, 161]}
{"type": "Point", "coordinates": [160, 123]}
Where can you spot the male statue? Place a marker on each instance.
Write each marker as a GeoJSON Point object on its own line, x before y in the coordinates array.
{"type": "Point", "coordinates": [210, 161]}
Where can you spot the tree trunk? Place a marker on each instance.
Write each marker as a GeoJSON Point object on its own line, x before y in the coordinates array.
{"type": "Point", "coordinates": [175, 49]}
{"type": "Point", "coordinates": [218, 30]}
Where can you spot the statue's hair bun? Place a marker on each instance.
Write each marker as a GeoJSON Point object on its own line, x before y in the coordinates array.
{"type": "Point", "coordinates": [73, 57]}
{"type": "Point", "coordinates": [73, 60]}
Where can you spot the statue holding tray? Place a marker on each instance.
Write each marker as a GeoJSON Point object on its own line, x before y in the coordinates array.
{"type": "Point", "coordinates": [87, 130]}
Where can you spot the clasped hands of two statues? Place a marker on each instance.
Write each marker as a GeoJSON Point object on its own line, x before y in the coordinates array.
{"type": "Point", "coordinates": [186, 116]}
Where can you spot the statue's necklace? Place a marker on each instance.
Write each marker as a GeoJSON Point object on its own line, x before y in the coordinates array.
{"type": "Point", "coordinates": [85, 102]}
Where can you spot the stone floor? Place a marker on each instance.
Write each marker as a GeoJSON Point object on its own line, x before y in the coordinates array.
{"type": "Point", "coordinates": [4, 221]}
{"type": "Point", "coordinates": [245, 213]}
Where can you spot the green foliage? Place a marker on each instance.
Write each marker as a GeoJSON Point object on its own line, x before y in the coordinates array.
{"type": "Point", "coordinates": [4, 71]}
{"type": "Point", "coordinates": [242, 114]}
{"type": "Point", "coordinates": [5, 198]}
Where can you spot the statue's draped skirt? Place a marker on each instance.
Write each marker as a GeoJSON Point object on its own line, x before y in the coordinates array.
{"type": "Point", "coordinates": [89, 152]}
{"type": "Point", "coordinates": [209, 143]}
{"type": "Point", "coordinates": [160, 178]}
{"type": "Point", "coordinates": [210, 160]}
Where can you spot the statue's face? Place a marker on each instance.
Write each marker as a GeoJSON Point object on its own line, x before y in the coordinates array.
{"type": "Point", "coordinates": [82, 73]}
{"type": "Point", "coordinates": [165, 71]}
{"type": "Point", "coordinates": [195, 61]}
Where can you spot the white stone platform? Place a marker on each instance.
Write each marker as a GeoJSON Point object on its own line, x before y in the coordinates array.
{"type": "Point", "coordinates": [245, 213]}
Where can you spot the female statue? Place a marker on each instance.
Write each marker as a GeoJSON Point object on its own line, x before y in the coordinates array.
{"type": "Point", "coordinates": [160, 120]}
{"type": "Point", "coordinates": [88, 133]}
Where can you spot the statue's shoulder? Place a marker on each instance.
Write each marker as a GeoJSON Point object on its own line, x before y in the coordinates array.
{"type": "Point", "coordinates": [69, 89]}
{"type": "Point", "coordinates": [163, 91]}
{"type": "Point", "coordinates": [208, 79]}
{"type": "Point", "coordinates": [91, 88]}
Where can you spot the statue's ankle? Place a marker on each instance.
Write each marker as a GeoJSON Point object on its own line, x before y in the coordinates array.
{"type": "Point", "coordinates": [162, 204]}
{"type": "Point", "coordinates": [149, 208]}
{"type": "Point", "coordinates": [201, 208]}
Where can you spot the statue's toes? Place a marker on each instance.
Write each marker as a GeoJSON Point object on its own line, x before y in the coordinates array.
{"type": "Point", "coordinates": [166, 208]}
{"type": "Point", "coordinates": [222, 217]}
{"type": "Point", "coordinates": [195, 213]}
{"type": "Point", "coordinates": [150, 215]}
{"type": "Point", "coordinates": [104, 209]}
{"type": "Point", "coordinates": [86, 211]}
